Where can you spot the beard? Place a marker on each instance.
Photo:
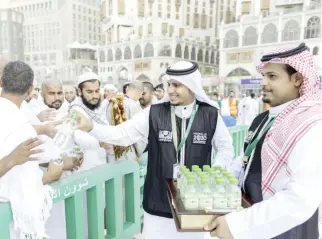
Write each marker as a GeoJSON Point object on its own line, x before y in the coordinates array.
{"type": "Point", "coordinates": [90, 105]}
{"type": "Point", "coordinates": [52, 106]}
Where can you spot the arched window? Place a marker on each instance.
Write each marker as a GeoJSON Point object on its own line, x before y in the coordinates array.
{"type": "Point", "coordinates": [149, 50]}
{"type": "Point", "coordinates": [137, 52]}
{"type": "Point", "coordinates": [109, 55]}
{"type": "Point", "coordinates": [238, 72]}
{"type": "Point", "coordinates": [291, 31]}
{"type": "Point", "coordinates": [250, 36]}
{"type": "Point", "coordinates": [127, 53]}
{"type": "Point", "coordinates": [193, 54]}
{"type": "Point", "coordinates": [118, 54]}
{"type": "Point", "coordinates": [165, 50]}
{"type": "Point", "coordinates": [186, 53]}
{"type": "Point", "coordinates": [207, 57]}
{"type": "Point", "coordinates": [313, 28]}
{"type": "Point", "coordinates": [212, 58]}
{"type": "Point", "coordinates": [231, 39]}
{"type": "Point", "coordinates": [102, 56]}
{"type": "Point", "coordinates": [200, 55]}
{"type": "Point", "coordinates": [178, 51]}
{"type": "Point", "coordinates": [270, 34]}
{"type": "Point", "coordinates": [315, 51]}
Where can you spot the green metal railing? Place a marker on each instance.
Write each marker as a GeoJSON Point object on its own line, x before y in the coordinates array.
{"type": "Point", "coordinates": [104, 187]}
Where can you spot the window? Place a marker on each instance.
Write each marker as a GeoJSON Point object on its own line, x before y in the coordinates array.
{"type": "Point", "coordinates": [141, 7]}
{"type": "Point", "coordinates": [164, 28]}
{"type": "Point", "coordinates": [150, 28]}
{"type": "Point", "coordinates": [102, 56]}
{"type": "Point", "coordinates": [165, 50]}
{"type": "Point", "coordinates": [121, 7]}
{"type": "Point", "coordinates": [127, 53]}
{"type": "Point", "coordinates": [200, 55]}
{"type": "Point", "coordinates": [231, 39]}
{"type": "Point", "coordinates": [193, 54]}
{"type": "Point", "coordinates": [313, 28]}
{"type": "Point", "coordinates": [207, 57]}
{"type": "Point", "coordinates": [109, 55]}
{"type": "Point", "coordinates": [171, 30]}
{"type": "Point", "coordinates": [140, 31]}
{"type": "Point", "coordinates": [186, 53]}
{"type": "Point", "coordinates": [291, 31]}
{"type": "Point", "coordinates": [178, 51]}
{"type": "Point", "coordinates": [160, 9]}
{"type": "Point", "coordinates": [212, 58]}
{"type": "Point", "coordinates": [315, 51]}
{"type": "Point", "coordinates": [250, 37]}
{"type": "Point", "coordinates": [270, 34]}
{"type": "Point", "coordinates": [118, 54]}
{"type": "Point", "coordinates": [137, 52]}
{"type": "Point", "coordinates": [149, 50]}
{"type": "Point", "coordinates": [196, 20]}
{"type": "Point", "coordinates": [188, 19]}
{"type": "Point", "coordinates": [203, 21]}
{"type": "Point", "coordinates": [181, 32]}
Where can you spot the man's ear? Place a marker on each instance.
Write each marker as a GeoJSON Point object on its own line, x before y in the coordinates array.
{"type": "Point", "coordinates": [30, 90]}
{"type": "Point", "coordinates": [297, 79]}
{"type": "Point", "coordinates": [79, 92]}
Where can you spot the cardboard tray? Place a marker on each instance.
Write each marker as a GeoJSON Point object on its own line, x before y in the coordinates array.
{"type": "Point", "coordinates": [189, 220]}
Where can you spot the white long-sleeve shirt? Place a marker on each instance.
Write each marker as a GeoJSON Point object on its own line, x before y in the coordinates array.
{"type": "Point", "coordinates": [298, 198]}
{"type": "Point", "coordinates": [138, 128]}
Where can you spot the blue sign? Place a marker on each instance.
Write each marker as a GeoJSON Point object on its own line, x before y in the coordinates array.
{"type": "Point", "coordinates": [250, 81]}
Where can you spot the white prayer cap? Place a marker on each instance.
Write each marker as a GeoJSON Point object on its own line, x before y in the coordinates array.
{"type": "Point", "coordinates": [87, 76]}
{"type": "Point", "coordinates": [110, 87]}
{"type": "Point", "coordinates": [187, 73]}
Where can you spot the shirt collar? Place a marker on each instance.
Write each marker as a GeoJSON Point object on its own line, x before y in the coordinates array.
{"type": "Point", "coordinates": [274, 111]}
{"type": "Point", "coordinates": [184, 111]}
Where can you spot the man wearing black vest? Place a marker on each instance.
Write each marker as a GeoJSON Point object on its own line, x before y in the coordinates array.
{"type": "Point", "coordinates": [282, 154]}
{"type": "Point", "coordinates": [195, 120]}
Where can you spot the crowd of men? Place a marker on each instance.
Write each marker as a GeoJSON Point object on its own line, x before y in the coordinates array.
{"type": "Point", "coordinates": [281, 164]}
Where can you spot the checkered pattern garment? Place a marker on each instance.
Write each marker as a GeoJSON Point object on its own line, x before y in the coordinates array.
{"type": "Point", "coordinates": [291, 124]}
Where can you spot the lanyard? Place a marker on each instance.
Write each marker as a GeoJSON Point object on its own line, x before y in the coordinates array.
{"type": "Point", "coordinates": [174, 128]}
{"type": "Point", "coordinates": [250, 148]}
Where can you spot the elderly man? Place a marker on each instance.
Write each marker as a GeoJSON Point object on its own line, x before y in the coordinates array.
{"type": "Point", "coordinates": [171, 128]}
{"type": "Point", "coordinates": [31, 206]}
{"type": "Point", "coordinates": [282, 154]}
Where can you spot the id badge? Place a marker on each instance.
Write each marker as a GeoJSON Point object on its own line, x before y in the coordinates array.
{"type": "Point", "coordinates": [176, 172]}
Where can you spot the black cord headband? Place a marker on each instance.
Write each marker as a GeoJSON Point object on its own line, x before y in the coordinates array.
{"type": "Point", "coordinates": [302, 47]}
{"type": "Point", "coordinates": [182, 72]}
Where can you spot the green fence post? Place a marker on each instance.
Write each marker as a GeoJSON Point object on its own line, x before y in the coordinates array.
{"type": "Point", "coordinates": [95, 212]}
{"type": "Point", "coordinates": [75, 216]}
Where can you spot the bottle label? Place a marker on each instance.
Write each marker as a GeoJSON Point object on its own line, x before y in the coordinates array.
{"type": "Point", "coordinates": [234, 201]}
{"type": "Point", "coordinates": [205, 203]}
{"type": "Point", "coordinates": [220, 203]}
{"type": "Point", "coordinates": [191, 203]}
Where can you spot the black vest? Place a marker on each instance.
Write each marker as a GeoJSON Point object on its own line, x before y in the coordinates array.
{"type": "Point", "coordinates": [253, 184]}
{"type": "Point", "coordinates": [162, 154]}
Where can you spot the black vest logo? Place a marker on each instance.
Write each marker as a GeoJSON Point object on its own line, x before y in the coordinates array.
{"type": "Point", "coordinates": [249, 137]}
{"type": "Point", "coordinates": [199, 138]}
{"type": "Point", "coordinates": [165, 136]}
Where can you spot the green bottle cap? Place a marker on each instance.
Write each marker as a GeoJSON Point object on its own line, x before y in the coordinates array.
{"type": "Point", "coordinates": [205, 181]}
{"type": "Point", "coordinates": [233, 181]}
{"type": "Point", "coordinates": [191, 181]}
{"type": "Point", "coordinates": [206, 167]}
{"type": "Point", "coordinates": [220, 181]}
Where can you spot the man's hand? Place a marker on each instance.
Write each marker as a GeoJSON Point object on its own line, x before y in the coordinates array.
{"type": "Point", "coordinates": [83, 123]}
{"type": "Point", "coordinates": [50, 128]}
{"type": "Point", "coordinates": [47, 115]}
{"type": "Point", "coordinates": [53, 173]}
{"type": "Point", "coordinates": [73, 163]}
{"type": "Point", "coordinates": [24, 152]}
{"type": "Point", "coordinates": [219, 228]}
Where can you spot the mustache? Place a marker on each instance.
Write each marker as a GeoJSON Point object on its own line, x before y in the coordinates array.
{"type": "Point", "coordinates": [57, 101]}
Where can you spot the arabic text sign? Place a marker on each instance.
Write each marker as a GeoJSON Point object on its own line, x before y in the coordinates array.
{"type": "Point", "coordinates": [250, 81]}
{"type": "Point", "coordinates": [70, 190]}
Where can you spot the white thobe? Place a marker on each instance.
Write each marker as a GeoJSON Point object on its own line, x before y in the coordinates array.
{"type": "Point", "coordinates": [138, 128]}
{"type": "Point", "coordinates": [13, 131]}
{"type": "Point", "coordinates": [296, 201]}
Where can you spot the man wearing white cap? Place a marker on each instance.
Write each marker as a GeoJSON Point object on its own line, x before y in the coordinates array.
{"type": "Point", "coordinates": [89, 104]}
{"type": "Point", "coordinates": [109, 91]}
{"type": "Point", "coordinates": [187, 105]}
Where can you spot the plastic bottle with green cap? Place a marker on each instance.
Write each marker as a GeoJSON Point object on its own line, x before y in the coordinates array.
{"type": "Point", "coordinates": [191, 201]}
{"type": "Point", "coordinates": [219, 195]}
{"type": "Point", "coordinates": [65, 131]}
{"type": "Point", "coordinates": [233, 194]}
{"type": "Point", "coordinates": [205, 195]}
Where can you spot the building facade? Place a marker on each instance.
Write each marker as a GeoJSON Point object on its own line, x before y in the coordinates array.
{"type": "Point", "coordinates": [11, 38]}
{"type": "Point", "coordinates": [59, 36]}
{"type": "Point", "coordinates": [262, 28]}
{"type": "Point", "coordinates": [141, 40]}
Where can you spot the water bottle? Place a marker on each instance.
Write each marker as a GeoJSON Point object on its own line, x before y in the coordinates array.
{"type": "Point", "coordinates": [65, 132]}
{"type": "Point", "coordinates": [234, 194]}
{"type": "Point", "coordinates": [219, 195]}
{"type": "Point", "coordinates": [191, 201]}
{"type": "Point", "coordinates": [205, 195]}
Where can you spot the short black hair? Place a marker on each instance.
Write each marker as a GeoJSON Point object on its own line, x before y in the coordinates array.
{"type": "Point", "coordinates": [252, 95]}
{"type": "Point", "coordinates": [290, 70]}
{"type": "Point", "coordinates": [148, 85]}
{"type": "Point", "coordinates": [160, 86]}
{"type": "Point", "coordinates": [81, 85]}
{"type": "Point", "coordinates": [215, 94]}
{"type": "Point", "coordinates": [125, 87]}
{"type": "Point", "coordinates": [17, 78]}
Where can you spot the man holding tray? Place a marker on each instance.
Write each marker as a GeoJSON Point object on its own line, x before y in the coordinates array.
{"type": "Point", "coordinates": [282, 155]}
{"type": "Point", "coordinates": [186, 112]}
